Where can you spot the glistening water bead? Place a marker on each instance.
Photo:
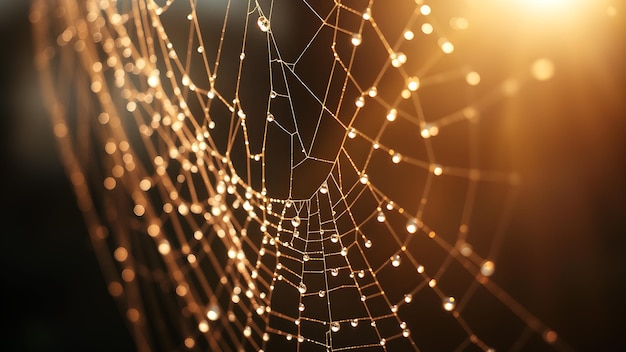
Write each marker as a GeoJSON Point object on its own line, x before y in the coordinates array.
{"type": "Point", "coordinates": [411, 225]}
{"type": "Point", "coordinates": [263, 23]}
{"type": "Point", "coordinates": [302, 288]}
{"type": "Point", "coordinates": [213, 313]}
{"type": "Point", "coordinates": [449, 303]}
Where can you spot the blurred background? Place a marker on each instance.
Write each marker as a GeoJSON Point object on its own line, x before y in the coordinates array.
{"type": "Point", "coordinates": [563, 255]}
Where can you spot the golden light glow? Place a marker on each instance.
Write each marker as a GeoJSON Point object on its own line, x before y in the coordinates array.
{"type": "Point", "coordinates": [190, 168]}
{"type": "Point", "coordinates": [542, 69]}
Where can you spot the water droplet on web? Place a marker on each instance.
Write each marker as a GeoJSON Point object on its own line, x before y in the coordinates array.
{"type": "Point", "coordinates": [263, 23]}
{"type": "Point", "coordinates": [397, 59]}
{"type": "Point", "coordinates": [466, 250]}
{"type": "Point", "coordinates": [392, 115]}
{"type": "Point", "coordinates": [334, 271]}
{"type": "Point", "coordinates": [273, 94]}
{"type": "Point", "coordinates": [373, 92]}
{"type": "Point", "coordinates": [408, 298]}
{"type": "Point", "coordinates": [295, 221]}
{"type": "Point", "coordinates": [367, 15]}
{"type": "Point", "coordinates": [449, 303]}
{"type": "Point", "coordinates": [364, 179]}
{"type": "Point", "coordinates": [302, 287]}
{"type": "Point", "coordinates": [360, 102]}
{"type": "Point", "coordinates": [411, 225]}
{"type": "Point", "coordinates": [324, 188]}
{"type": "Point", "coordinates": [270, 117]}
{"type": "Point", "coordinates": [396, 158]}
{"type": "Point", "coordinates": [354, 323]}
{"type": "Point", "coordinates": [334, 326]}
{"type": "Point", "coordinates": [413, 84]}
{"type": "Point", "coordinates": [380, 217]}
{"type": "Point", "coordinates": [334, 238]}
{"type": "Point", "coordinates": [395, 260]}
{"type": "Point", "coordinates": [321, 293]}
{"type": "Point", "coordinates": [356, 39]}
{"type": "Point", "coordinates": [487, 268]}
{"type": "Point", "coordinates": [406, 332]}
{"type": "Point", "coordinates": [368, 244]}
{"type": "Point", "coordinates": [429, 130]}
{"type": "Point", "coordinates": [153, 79]}
{"type": "Point", "coordinates": [214, 312]}
{"type": "Point", "coordinates": [306, 257]}
{"type": "Point", "coordinates": [301, 307]}
{"type": "Point", "coordinates": [351, 133]}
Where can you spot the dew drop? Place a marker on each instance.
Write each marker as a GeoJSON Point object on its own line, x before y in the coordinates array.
{"type": "Point", "coordinates": [396, 158]}
{"type": "Point", "coordinates": [449, 303]}
{"type": "Point", "coordinates": [351, 133]}
{"type": "Point", "coordinates": [368, 244]}
{"type": "Point", "coordinates": [466, 250]}
{"type": "Point", "coordinates": [406, 332]}
{"type": "Point", "coordinates": [413, 84]}
{"type": "Point", "coordinates": [367, 15]}
{"type": "Point", "coordinates": [408, 298]}
{"type": "Point", "coordinates": [411, 225]}
{"type": "Point", "coordinates": [334, 326]}
{"type": "Point", "coordinates": [321, 293]}
{"type": "Point", "coordinates": [324, 188]}
{"type": "Point", "coordinates": [397, 59]}
{"type": "Point", "coordinates": [359, 102]}
{"type": "Point", "coordinates": [334, 238]}
{"type": "Point", "coordinates": [354, 323]}
{"type": "Point", "coordinates": [306, 257]}
{"type": "Point", "coordinates": [295, 221]}
{"type": "Point", "coordinates": [301, 307]}
{"type": "Point", "coordinates": [487, 268]}
{"type": "Point", "coordinates": [153, 79]}
{"type": "Point", "coordinates": [395, 260]}
{"type": "Point", "coordinates": [363, 179]}
{"type": "Point", "coordinates": [381, 217]}
{"type": "Point", "coordinates": [263, 23]}
{"type": "Point", "coordinates": [334, 272]}
{"type": "Point", "coordinates": [392, 115]}
{"type": "Point", "coordinates": [302, 287]}
{"type": "Point", "coordinates": [356, 39]}
{"type": "Point", "coordinates": [270, 117]}
{"type": "Point", "coordinates": [373, 92]}
{"type": "Point", "coordinates": [214, 312]}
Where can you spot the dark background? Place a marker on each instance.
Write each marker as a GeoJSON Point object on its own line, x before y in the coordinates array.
{"type": "Point", "coordinates": [563, 257]}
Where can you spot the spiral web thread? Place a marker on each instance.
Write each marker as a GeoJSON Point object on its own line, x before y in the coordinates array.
{"type": "Point", "coordinates": [268, 176]}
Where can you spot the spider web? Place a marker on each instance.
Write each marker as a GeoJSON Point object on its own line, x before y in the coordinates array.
{"type": "Point", "coordinates": [296, 175]}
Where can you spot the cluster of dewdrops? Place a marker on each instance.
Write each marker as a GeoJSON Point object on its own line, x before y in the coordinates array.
{"type": "Point", "coordinates": [176, 116]}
